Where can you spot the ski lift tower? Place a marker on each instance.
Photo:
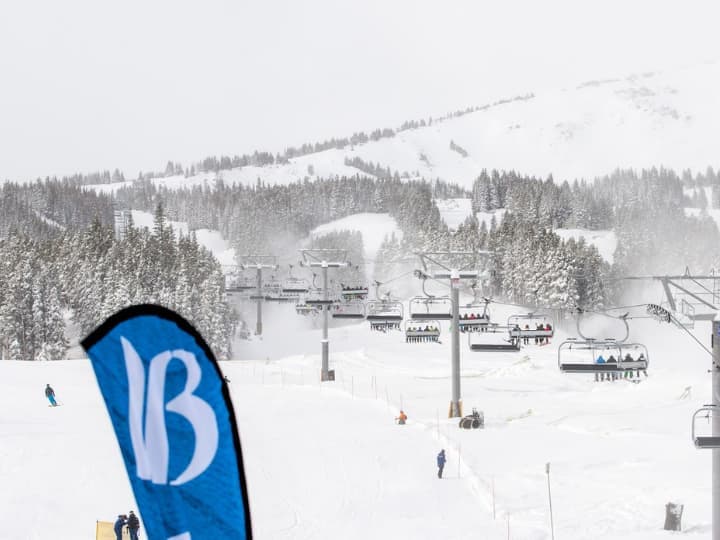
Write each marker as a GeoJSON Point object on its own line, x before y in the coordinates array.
{"type": "Point", "coordinates": [712, 413]}
{"type": "Point", "coordinates": [324, 258]}
{"type": "Point", "coordinates": [259, 263]}
{"type": "Point", "coordinates": [454, 266]}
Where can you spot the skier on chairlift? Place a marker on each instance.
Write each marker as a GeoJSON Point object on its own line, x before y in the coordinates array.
{"type": "Point", "coordinates": [600, 360]}
{"type": "Point", "coordinates": [612, 360]}
{"type": "Point", "coordinates": [628, 372]}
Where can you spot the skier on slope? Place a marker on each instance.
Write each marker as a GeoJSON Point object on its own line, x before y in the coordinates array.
{"type": "Point", "coordinates": [441, 462]}
{"type": "Point", "coordinates": [402, 418]}
{"type": "Point", "coordinates": [50, 394]}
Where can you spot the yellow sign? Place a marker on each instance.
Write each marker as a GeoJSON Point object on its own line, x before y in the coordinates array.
{"type": "Point", "coordinates": [104, 531]}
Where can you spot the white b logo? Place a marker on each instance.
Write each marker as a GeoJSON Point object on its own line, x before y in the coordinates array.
{"type": "Point", "coordinates": [150, 441]}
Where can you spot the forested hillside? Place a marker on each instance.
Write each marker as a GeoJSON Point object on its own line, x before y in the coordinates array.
{"type": "Point", "coordinates": [54, 275]}
{"type": "Point", "coordinates": [62, 264]}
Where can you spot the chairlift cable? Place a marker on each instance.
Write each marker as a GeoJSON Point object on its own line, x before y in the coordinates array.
{"type": "Point", "coordinates": [625, 307]}
{"type": "Point", "coordinates": [395, 278]}
{"type": "Point", "coordinates": [679, 324]}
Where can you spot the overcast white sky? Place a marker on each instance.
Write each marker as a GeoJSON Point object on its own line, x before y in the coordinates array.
{"type": "Point", "coordinates": [93, 84]}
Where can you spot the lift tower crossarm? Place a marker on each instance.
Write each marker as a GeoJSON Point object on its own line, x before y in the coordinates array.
{"type": "Point", "coordinates": [460, 275]}
{"type": "Point", "coordinates": [682, 285]}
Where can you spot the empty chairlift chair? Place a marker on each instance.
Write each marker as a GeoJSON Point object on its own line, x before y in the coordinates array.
{"type": "Point", "coordinates": [708, 412]}
{"type": "Point", "coordinates": [495, 339]}
{"type": "Point", "coordinates": [384, 314]}
{"type": "Point", "coordinates": [429, 308]}
{"type": "Point", "coordinates": [294, 287]}
{"type": "Point", "coordinates": [315, 297]}
{"type": "Point", "coordinates": [348, 310]}
{"type": "Point", "coordinates": [241, 285]}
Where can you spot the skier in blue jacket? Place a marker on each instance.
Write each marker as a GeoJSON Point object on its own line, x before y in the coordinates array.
{"type": "Point", "coordinates": [441, 462]}
{"type": "Point", "coordinates": [119, 524]}
{"type": "Point", "coordinates": [50, 394]}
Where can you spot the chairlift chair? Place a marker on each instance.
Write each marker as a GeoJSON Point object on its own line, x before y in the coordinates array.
{"type": "Point", "coordinates": [428, 308]}
{"type": "Point", "coordinates": [581, 356]}
{"type": "Point", "coordinates": [303, 308]}
{"type": "Point", "coordinates": [273, 292]}
{"type": "Point", "coordinates": [517, 323]}
{"type": "Point", "coordinates": [235, 283]}
{"type": "Point", "coordinates": [316, 297]}
{"type": "Point", "coordinates": [295, 286]}
{"type": "Point", "coordinates": [385, 310]}
{"type": "Point", "coordinates": [471, 318]}
{"type": "Point", "coordinates": [355, 292]}
{"type": "Point", "coordinates": [348, 310]}
{"type": "Point", "coordinates": [427, 331]}
{"type": "Point", "coordinates": [474, 316]}
{"type": "Point", "coordinates": [495, 339]}
{"type": "Point", "coordinates": [704, 441]}
{"type": "Point", "coordinates": [384, 314]}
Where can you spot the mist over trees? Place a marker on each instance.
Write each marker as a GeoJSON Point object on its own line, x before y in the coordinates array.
{"type": "Point", "coordinates": [63, 266]}
{"type": "Point", "coordinates": [645, 209]}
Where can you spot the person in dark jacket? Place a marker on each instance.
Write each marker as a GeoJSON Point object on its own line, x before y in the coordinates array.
{"type": "Point", "coordinates": [441, 462]}
{"type": "Point", "coordinates": [50, 394]}
{"type": "Point", "coordinates": [133, 524]}
{"type": "Point", "coordinates": [119, 524]}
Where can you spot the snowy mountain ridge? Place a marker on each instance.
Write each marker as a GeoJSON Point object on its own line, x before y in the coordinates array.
{"type": "Point", "coordinates": [654, 119]}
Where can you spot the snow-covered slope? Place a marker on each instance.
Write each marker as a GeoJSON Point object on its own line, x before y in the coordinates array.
{"type": "Point", "coordinates": [454, 211]}
{"type": "Point", "coordinates": [654, 119]}
{"type": "Point", "coordinates": [209, 238]}
{"type": "Point", "coordinates": [219, 247]}
{"type": "Point", "coordinates": [651, 119]}
{"type": "Point", "coordinates": [146, 219]}
{"type": "Point", "coordinates": [604, 241]}
{"type": "Point", "coordinates": [327, 461]}
{"type": "Point", "coordinates": [373, 227]}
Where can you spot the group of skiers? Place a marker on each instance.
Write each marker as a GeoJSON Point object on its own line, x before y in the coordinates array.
{"type": "Point", "coordinates": [418, 334]}
{"type": "Point", "coordinates": [624, 372]}
{"type": "Point", "coordinates": [474, 322]}
{"type": "Point", "coordinates": [357, 288]}
{"type": "Point", "coordinates": [517, 333]}
{"type": "Point", "coordinates": [130, 521]}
